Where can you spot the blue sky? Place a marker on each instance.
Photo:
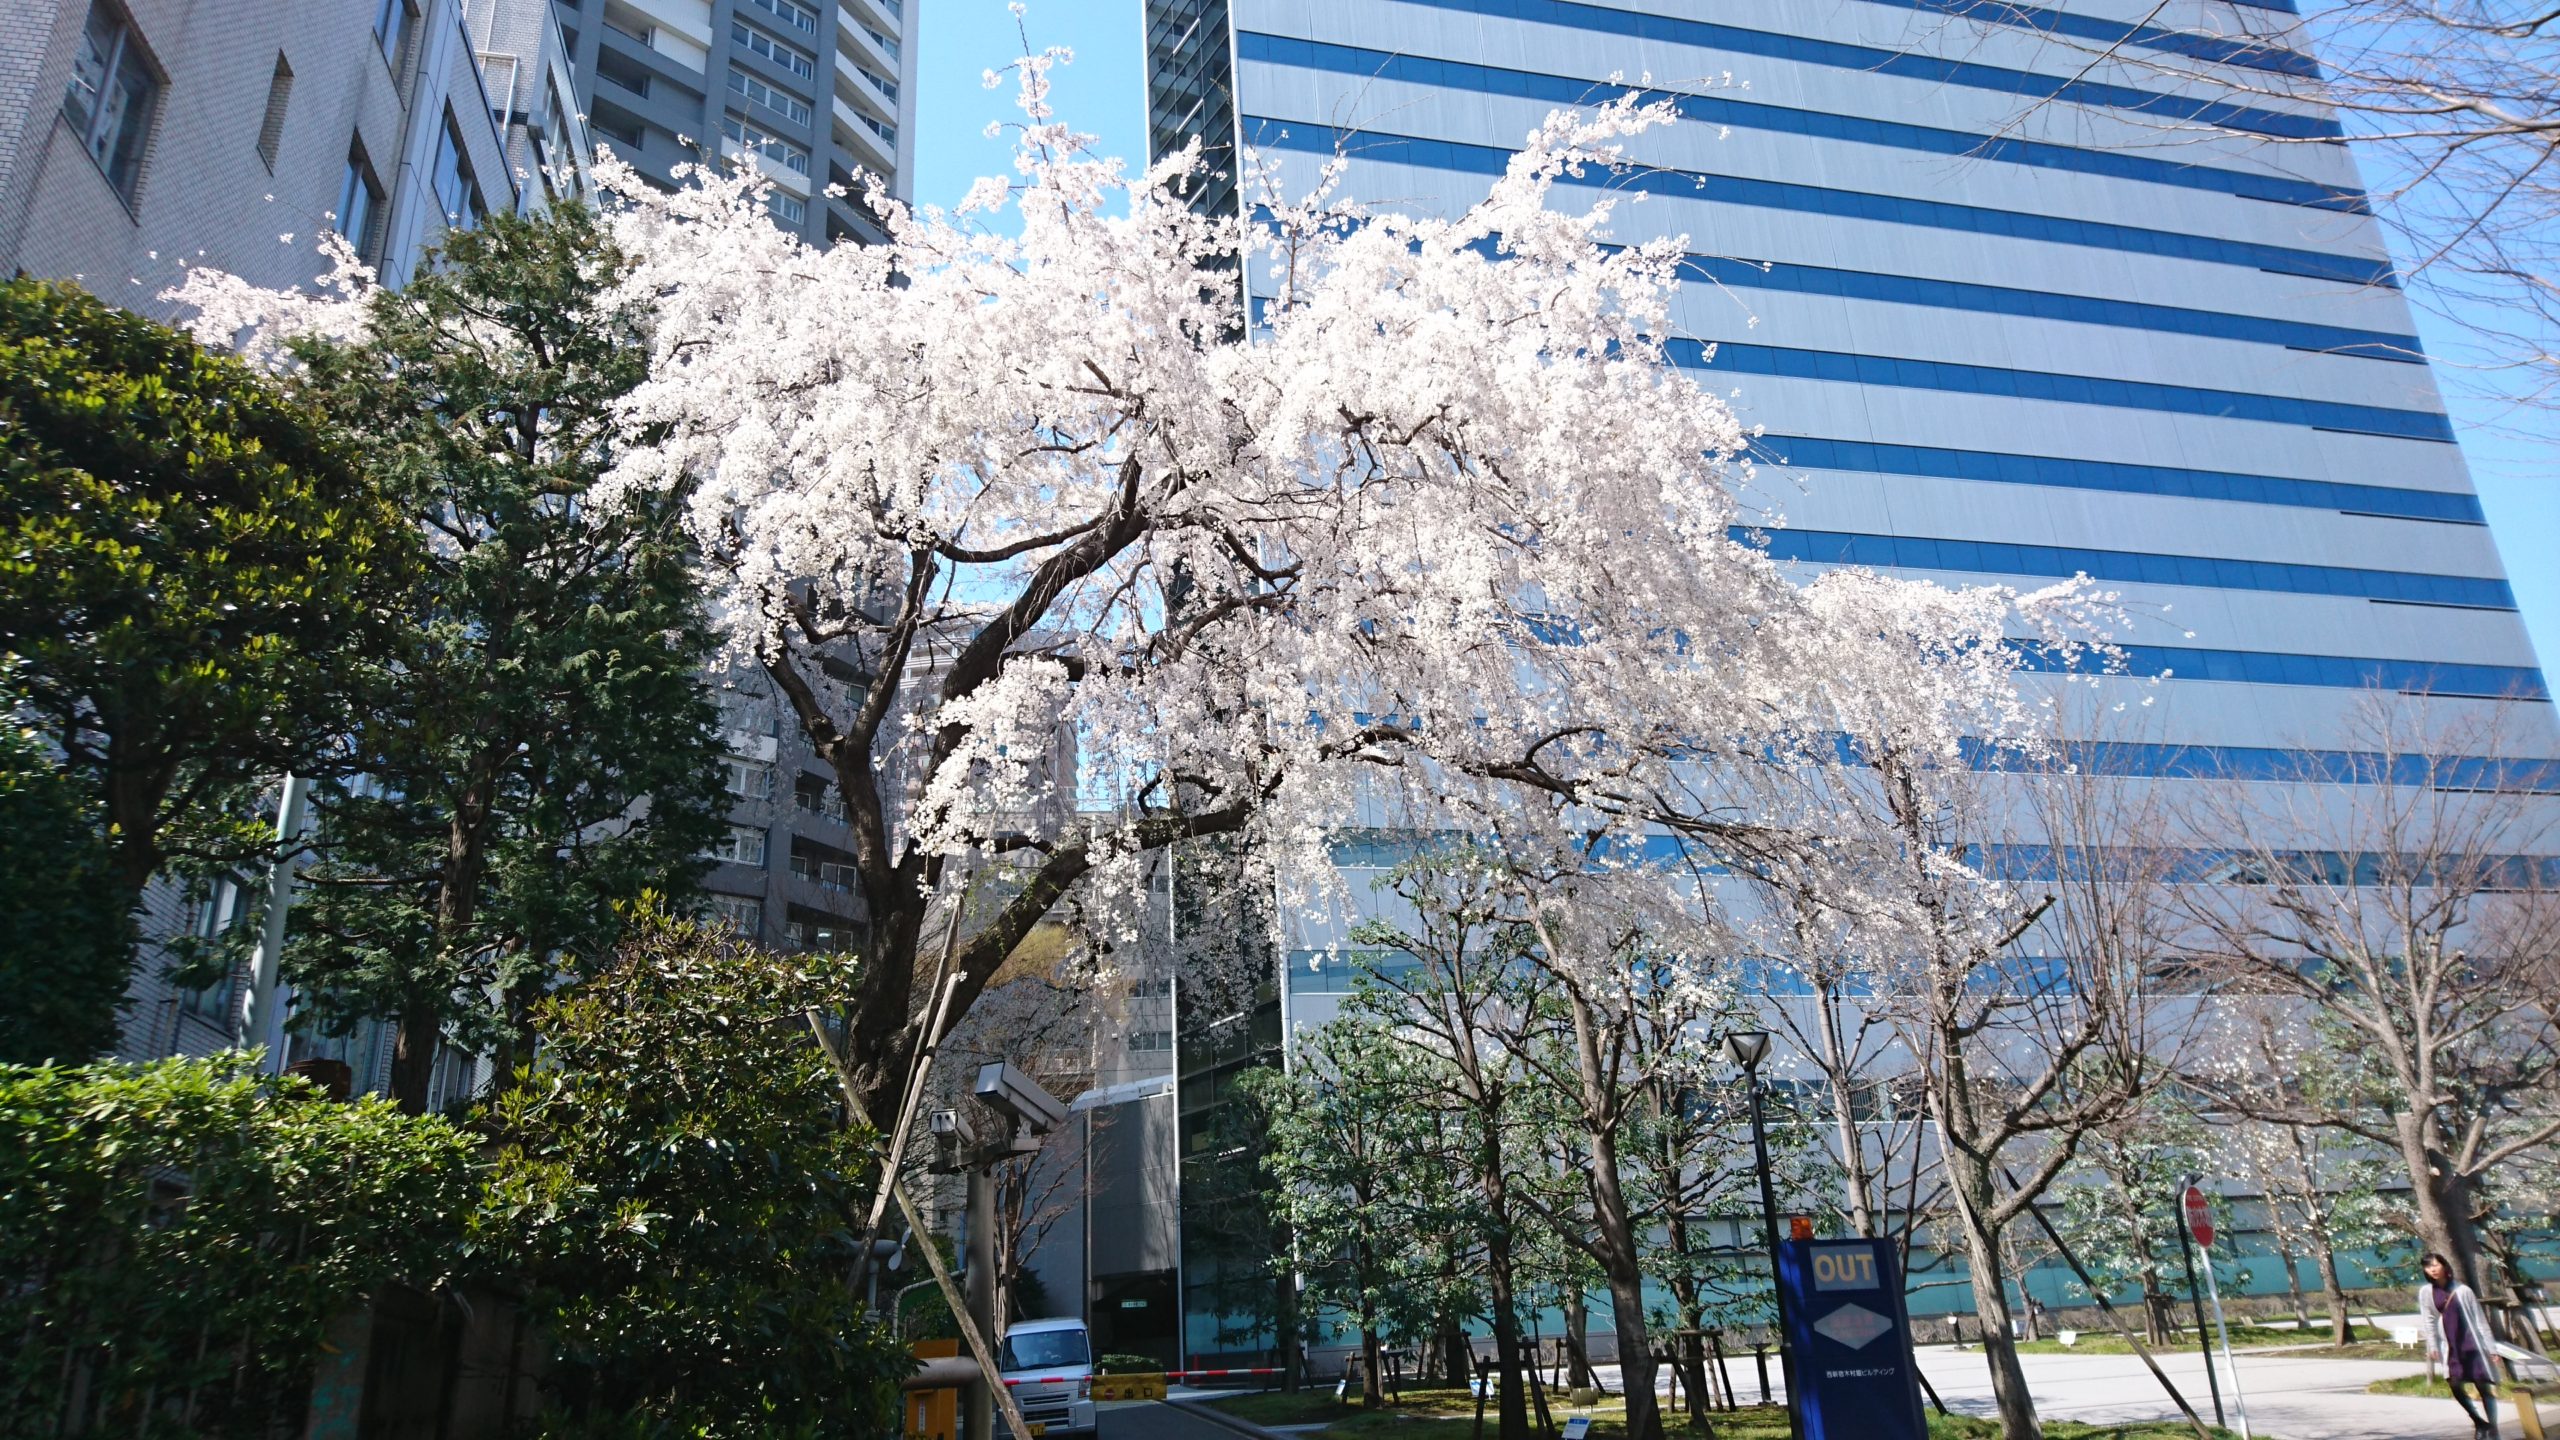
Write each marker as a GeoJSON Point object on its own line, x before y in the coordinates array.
{"type": "Point", "coordinates": [2513, 460]}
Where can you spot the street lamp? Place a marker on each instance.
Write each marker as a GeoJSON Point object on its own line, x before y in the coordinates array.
{"type": "Point", "coordinates": [1748, 1048]}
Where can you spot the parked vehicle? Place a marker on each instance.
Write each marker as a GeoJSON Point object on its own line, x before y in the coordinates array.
{"type": "Point", "coordinates": [1048, 1365]}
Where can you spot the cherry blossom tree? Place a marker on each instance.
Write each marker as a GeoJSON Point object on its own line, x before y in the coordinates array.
{"type": "Point", "coordinates": [1060, 552]}
{"type": "Point", "coordinates": [1444, 514]}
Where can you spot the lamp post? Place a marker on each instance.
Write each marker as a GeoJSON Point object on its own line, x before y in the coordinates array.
{"type": "Point", "coordinates": [1748, 1048]}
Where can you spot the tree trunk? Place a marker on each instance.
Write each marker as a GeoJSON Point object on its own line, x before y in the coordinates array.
{"type": "Point", "coordinates": [1372, 1389]}
{"type": "Point", "coordinates": [413, 1057]}
{"type": "Point", "coordinates": [1621, 1263]}
{"type": "Point", "coordinates": [1456, 1355]}
{"type": "Point", "coordinates": [1975, 1198]}
{"type": "Point", "coordinates": [1284, 1308]}
{"type": "Point", "coordinates": [2443, 1217]}
{"type": "Point", "coordinates": [1509, 1357]}
{"type": "Point", "coordinates": [2334, 1291]}
{"type": "Point", "coordinates": [2156, 1306]}
{"type": "Point", "coordinates": [2293, 1287]}
{"type": "Point", "coordinates": [1855, 1181]}
{"type": "Point", "coordinates": [1635, 1352]}
{"type": "Point", "coordinates": [1577, 1321]}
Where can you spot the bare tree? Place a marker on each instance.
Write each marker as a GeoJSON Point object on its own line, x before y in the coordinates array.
{"type": "Point", "coordinates": [2392, 906]}
{"type": "Point", "coordinates": [2023, 1049]}
{"type": "Point", "coordinates": [1891, 1187]}
{"type": "Point", "coordinates": [2453, 105]}
{"type": "Point", "coordinates": [2323, 1188]}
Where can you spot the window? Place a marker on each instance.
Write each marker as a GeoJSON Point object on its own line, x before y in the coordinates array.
{"type": "Point", "coordinates": [887, 88]}
{"type": "Point", "coordinates": [457, 192]}
{"type": "Point", "coordinates": [111, 97]}
{"type": "Point", "coordinates": [882, 129]}
{"type": "Point", "coordinates": [618, 125]}
{"type": "Point", "coordinates": [395, 22]}
{"type": "Point", "coordinates": [740, 913]}
{"type": "Point", "coordinates": [748, 779]}
{"type": "Point", "coordinates": [359, 202]}
{"type": "Point", "coordinates": [790, 209]}
{"type": "Point", "coordinates": [765, 143]}
{"type": "Point", "coordinates": [748, 37]}
{"type": "Point", "coordinates": [1150, 1040]}
{"type": "Point", "coordinates": [742, 845]}
{"type": "Point", "coordinates": [559, 162]}
{"type": "Point", "coordinates": [770, 98]}
{"type": "Point", "coordinates": [819, 798]}
{"type": "Point", "coordinates": [1157, 988]}
{"type": "Point", "coordinates": [797, 17]}
{"type": "Point", "coordinates": [887, 46]}
{"type": "Point", "coordinates": [271, 130]}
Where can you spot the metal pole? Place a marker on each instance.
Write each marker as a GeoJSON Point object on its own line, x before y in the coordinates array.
{"type": "Point", "coordinates": [2195, 1296]}
{"type": "Point", "coordinates": [1769, 1219]}
{"type": "Point", "coordinates": [2239, 1402]}
{"type": "Point", "coordinates": [982, 1291]}
{"type": "Point", "coordinates": [2106, 1307]}
{"type": "Point", "coordinates": [260, 1020]}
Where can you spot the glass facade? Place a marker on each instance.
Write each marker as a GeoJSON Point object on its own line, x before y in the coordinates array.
{"type": "Point", "coordinates": [2001, 314]}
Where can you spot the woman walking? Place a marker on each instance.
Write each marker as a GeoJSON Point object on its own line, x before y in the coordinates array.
{"type": "Point", "coordinates": [2458, 1334]}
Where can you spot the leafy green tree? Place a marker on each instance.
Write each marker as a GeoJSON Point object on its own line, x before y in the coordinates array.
{"type": "Point", "coordinates": [1454, 987]}
{"type": "Point", "coordinates": [2122, 1220]}
{"type": "Point", "coordinates": [545, 751]}
{"type": "Point", "coordinates": [175, 1236]}
{"type": "Point", "coordinates": [1350, 1157]}
{"type": "Point", "coordinates": [676, 1184]}
{"type": "Point", "coordinates": [193, 577]}
{"type": "Point", "coordinates": [65, 942]}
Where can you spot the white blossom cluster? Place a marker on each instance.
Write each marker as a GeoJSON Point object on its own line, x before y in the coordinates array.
{"type": "Point", "coordinates": [1426, 534]}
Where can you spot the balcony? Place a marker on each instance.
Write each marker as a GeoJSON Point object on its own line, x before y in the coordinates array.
{"type": "Point", "coordinates": [860, 134]}
{"type": "Point", "coordinates": [825, 874]}
{"type": "Point", "coordinates": [823, 803]}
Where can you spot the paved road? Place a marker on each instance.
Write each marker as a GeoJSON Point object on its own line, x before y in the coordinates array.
{"type": "Point", "coordinates": [2298, 1397]}
{"type": "Point", "coordinates": [1149, 1421]}
{"type": "Point", "coordinates": [2292, 1396]}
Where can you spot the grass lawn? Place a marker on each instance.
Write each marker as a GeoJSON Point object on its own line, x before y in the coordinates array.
{"type": "Point", "coordinates": [2371, 1344]}
{"type": "Point", "coordinates": [1445, 1412]}
{"type": "Point", "coordinates": [2421, 1385]}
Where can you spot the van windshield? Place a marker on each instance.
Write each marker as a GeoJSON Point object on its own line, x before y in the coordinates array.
{"type": "Point", "coordinates": [1043, 1350]}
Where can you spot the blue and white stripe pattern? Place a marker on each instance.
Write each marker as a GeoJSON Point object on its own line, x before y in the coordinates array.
{"type": "Point", "coordinates": [2003, 322]}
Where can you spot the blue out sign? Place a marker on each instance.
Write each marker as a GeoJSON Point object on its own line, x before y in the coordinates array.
{"type": "Point", "coordinates": [1852, 1341]}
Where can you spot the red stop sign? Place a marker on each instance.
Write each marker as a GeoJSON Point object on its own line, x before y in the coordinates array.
{"type": "Point", "coordinates": [2199, 1216]}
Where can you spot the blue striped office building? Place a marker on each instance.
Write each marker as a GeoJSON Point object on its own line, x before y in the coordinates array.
{"type": "Point", "coordinates": [2010, 312]}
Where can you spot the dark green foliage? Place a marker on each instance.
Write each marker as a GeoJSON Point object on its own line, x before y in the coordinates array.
{"type": "Point", "coordinates": [192, 576]}
{"type": "Point", "coordinates": [676, 1184]}
{"type": "Point", "coordinates": [65, 938]}
{"type": "Point", "coordinates": [174, 1236]}
{"type": "Point", "coordinates": [545, 752]}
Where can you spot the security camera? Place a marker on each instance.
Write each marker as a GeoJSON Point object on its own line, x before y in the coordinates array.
{"type": "Point", "coordinates": [1018, 1097]}
{"type": "Point", "coordinates": [953, 1141]}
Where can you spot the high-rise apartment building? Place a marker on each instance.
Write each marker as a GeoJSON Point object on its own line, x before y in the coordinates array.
{"type": "Point", "coordinates": [2013, 310]}
{"type": "Point", "coordinates": [137, 135]}
{"type": "Point", "coordinates": [818, 90]}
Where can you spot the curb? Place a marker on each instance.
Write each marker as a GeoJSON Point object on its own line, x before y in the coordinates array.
{"type": "Point", "coordinates": [1225, 1421]}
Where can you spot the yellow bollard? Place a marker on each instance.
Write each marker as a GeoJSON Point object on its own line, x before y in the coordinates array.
{"type": "Point", "coordinates": [933, 1414]}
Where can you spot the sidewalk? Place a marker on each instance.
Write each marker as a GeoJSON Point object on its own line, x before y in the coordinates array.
{"type": "Point", "coordinates": [2290, 1395]}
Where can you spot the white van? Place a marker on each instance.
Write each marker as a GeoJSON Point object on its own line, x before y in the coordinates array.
{"type": "Point", "coordinates": [1048, 1365]}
